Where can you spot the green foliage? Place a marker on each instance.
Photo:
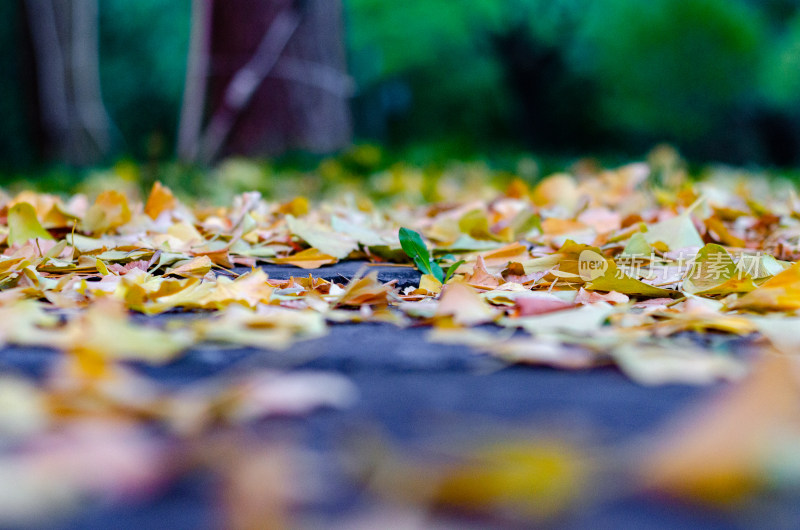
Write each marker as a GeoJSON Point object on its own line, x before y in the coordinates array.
{"type": "Point", "coordinates": [658, 70]}
{"type": "Point", "coordinates": [438, 51]}
{"type": "Point", "coordinates": [413, 36]}
{"type": "Point", "coordinates": [431, 78]}
{"type": "Point", "coordinates": [451, 270]}
{"type": "Point", "coordinates": [780, 72]}
{"type": "Point", "coordinates": [670, 66]}
{"type": "Point", "coordinates": [143, 49]}
{"type": "Point", "coordinates": [415, 248]}
{"type": "Point", "coordinates": [15, 130]}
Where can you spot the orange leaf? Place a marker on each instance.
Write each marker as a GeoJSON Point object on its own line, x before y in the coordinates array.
{"type": "Point", "coordinates": [160, 200]}
{"type": "Point", "coordinates": [716, 452]}
{"type": "Point", "coordinates": [481, 277]}
{"type": "Point", "coordinates": [109, 211]}
{"type": "Point", "coordinates": [779, 293]}
{"type": "Point", "coordinates": [502, 256]}
{"type": "Point", "coordinates": [366, 291]}
{"type": "Point", "coordinates": [310, 258]}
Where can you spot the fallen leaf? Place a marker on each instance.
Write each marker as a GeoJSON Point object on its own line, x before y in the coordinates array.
{"type": "Point", "coordinates": [311, 258]}
{"type": "Point", "coordinates": [714, 272]}
{"type": "Point", "coordinates": [779, 293]}
{"type": "Point", "coordinates": [325, 241]}
{"type": "Point", "coordinates": [675, 233]}
{"type": "Point", "coordinates": [23, 224]}
{"type": "Point", "coordinates": [195, 267]}
{"type": "Point", "coordinates": [104, 334]}
{"type": "Point", "coordinates": [716, 451]}
{"type": "Point", "coordinates": [662, 364]}
{"type": "Point", "coordinates": [160, 200]}
{"type": "Point", "coordinates": [615, 280]}
{"type": "Point", "coordinates": [536, 481]}
{"type": "Point", "coordinates": [109, 211]}
{"type": "Point", "coordinates": [461, 303]}
{"type": "Point", "coordinates": [540, 303]}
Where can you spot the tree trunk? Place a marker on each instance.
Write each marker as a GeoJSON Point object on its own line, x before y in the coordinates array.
{"type": "Point", "coordinates": [65, 42]}
{"type": "Point", "coordinates": [272, 74]}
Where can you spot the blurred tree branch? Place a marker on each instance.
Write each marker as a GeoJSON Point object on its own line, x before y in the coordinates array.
{"type": "Point", "coordinates": [66, 48]}
{"type": "Point", "coordinates": [271, 76]}
{"type": "Point", "coordinates": [241, 88]}
{"type": "Point", "coordinates": [194, 90]}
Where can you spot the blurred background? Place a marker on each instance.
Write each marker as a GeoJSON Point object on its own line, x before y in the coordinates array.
{"type": "Point", "coordinates": [90, 82]}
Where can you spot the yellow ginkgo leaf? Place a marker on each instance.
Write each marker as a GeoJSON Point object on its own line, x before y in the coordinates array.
{"type": "Point", "coordinates": [104, 334]}
{"type": "Point", "coordinates": [716, 451]}
{"type": "Point", "coordinates": [461, 302]}
{"type": "Point", "coordinates": [714, 272]}
{"type": "Point", "coordinates": [109, 211]}
{"type": "Point", "coordinates": [616, 280]}
{"type": "Point", "coordinates": [195, 267]}
{"type": "Point", "coordinates": [23, 224]}
{"type": "Point", "coordinates": [532, 480]}
{"type": "Point", "coordinates": [675, 233]}
{"type": "Point", "coordinates": [310, 258]}
{"type": "Point", "coordinates": [475, 224]}
{"type": "Point", "coordinates": [779, 293]}
{"type": "Point", "coordinates": [327, 241]}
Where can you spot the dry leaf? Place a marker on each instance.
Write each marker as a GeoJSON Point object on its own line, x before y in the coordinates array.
{"type": "Point", "coordinates": [310, 258]}
{"type": "Point", "coordinates": [460, 302]}
{"type": "Point", "coordinates": [109, 211]}
{"type": "Point", "coordinates": [716, 452]}
{"type": "Point", "coordinates": [160, 200]}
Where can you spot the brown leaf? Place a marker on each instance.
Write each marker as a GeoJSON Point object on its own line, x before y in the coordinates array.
{"type": "Point", "coordinates": [481, 277]}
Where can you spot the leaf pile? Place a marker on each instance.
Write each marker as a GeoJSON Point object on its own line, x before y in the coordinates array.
{"type": "Point", "coordinates": [593, 268]}
{"type": "Point", "coordinates": [639, 267]}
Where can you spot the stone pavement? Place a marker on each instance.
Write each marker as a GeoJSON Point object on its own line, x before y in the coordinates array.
{"type": "Point", "coordinates": [414, 392]}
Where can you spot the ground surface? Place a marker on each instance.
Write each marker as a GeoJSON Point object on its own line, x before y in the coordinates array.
{"type": "Point", "coordinates": [582, 352]}
{"type": "Point", "coordinates": [413, 392]}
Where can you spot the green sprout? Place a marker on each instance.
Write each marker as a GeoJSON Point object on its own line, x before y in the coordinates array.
{"type": "Point", "coordinates": [415, 248]}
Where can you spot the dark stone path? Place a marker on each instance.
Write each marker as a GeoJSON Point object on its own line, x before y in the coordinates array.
{"type": "Point", "coordinates": [416, 394]}
{"type": "Point", "coordinates": [343, 272]}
